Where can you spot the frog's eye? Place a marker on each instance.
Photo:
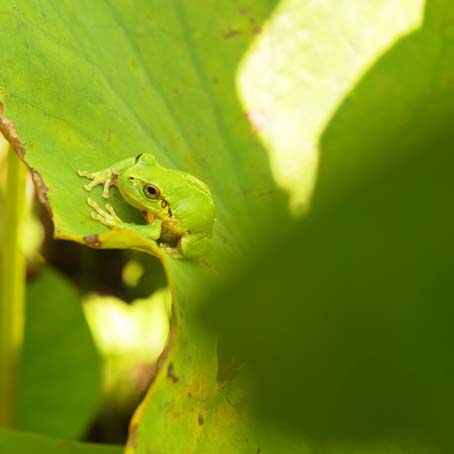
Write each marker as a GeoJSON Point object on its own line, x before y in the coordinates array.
{"type": "Point", "coordinates": [151, 191]}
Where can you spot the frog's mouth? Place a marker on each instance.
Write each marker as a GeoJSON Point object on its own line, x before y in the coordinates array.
{"type": "Point", "coordinates": [149, 217]}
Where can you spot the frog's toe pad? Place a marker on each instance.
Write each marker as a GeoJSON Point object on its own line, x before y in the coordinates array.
{"type": "Point", "coordinates": [94, 205]}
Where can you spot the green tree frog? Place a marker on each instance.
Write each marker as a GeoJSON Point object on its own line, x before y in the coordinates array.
{"type": "Point", "coordinates": [178, 208]}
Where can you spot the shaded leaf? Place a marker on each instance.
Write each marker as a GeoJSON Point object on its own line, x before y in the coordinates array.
{"type": "Point", "coordinates": [59, 380]}
{"type": "Point", "coordinates": [13, 442]}
{"type": "Point", "coordinates": [354, 325]}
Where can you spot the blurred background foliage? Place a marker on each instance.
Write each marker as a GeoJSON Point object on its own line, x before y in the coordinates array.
{"type": "Point", "coordinates": [82, 339]}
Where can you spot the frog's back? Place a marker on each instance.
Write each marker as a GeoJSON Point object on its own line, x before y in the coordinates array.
{"type": "Point", "coordinates": [191, 203]}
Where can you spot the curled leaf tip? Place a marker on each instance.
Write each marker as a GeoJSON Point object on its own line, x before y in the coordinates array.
{"type": "Point", "coordinates": [41, 190]}
{"type": "Point", "coordinates": [8, 129]}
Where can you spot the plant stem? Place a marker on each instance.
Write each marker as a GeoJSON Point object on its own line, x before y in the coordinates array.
{"type": "Point", "coordinates": [12, 285]}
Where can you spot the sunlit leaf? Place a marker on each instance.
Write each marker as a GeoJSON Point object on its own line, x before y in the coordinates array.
{"type": "Point", "coordinates": [302, 65]}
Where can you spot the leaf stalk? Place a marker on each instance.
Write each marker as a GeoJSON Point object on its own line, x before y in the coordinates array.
{"type": "Point", "coordinates": [12, 285]}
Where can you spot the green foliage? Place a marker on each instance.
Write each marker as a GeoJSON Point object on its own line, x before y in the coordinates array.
{"type": "Point", "coordinates": [329, 311]}
{"type": "Point", "coordinates": [178, 104]}
{"type": "Point", "coordinates": [12, 284]}
{"type": "Point", "coordinates": [107, 91]}
{"type": "Point", "coordinates": [60, 368]}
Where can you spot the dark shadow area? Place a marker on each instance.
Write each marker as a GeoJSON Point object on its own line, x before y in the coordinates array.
{"type": "Point", "coordinates": [374, 342]}
{"type": "Point", "coordinates": [347, 322]}
{"type": "Point", "coordinates": [100, 271]}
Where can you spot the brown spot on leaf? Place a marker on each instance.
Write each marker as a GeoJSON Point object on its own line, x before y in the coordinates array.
{"type": "Point", "coordinates": [109, 135]}
{"type": "Point", "coordinates": [92, 240]}
{"type": "Point", "coordinates": [231, 33]}
{"type": "Point", "coordinates": [131, 443]}
{"type": "Point", "coordinates": [200, 419]}
{"type": "Point", "coordinates": [171, 374]}
{"type": "Point", "coordinates": [259, 450]}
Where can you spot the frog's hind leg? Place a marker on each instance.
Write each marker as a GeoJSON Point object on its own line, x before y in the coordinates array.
{"type": "Point", "coordinates": [194, 245]}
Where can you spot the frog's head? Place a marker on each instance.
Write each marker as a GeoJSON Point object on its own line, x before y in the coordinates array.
{"type": "Point", "coordinates": [168, 193]}
{"type": "Point", "coordinates": [137, 188]}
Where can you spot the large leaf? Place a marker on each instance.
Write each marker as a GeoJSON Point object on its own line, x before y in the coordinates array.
{"type": "Point", "coordinates": [96, 79]}
{"type": "Point", "coordinates": [60, 380]}
{"type": "Point", "coordinates": [13, 442]}
{"type": "Point", "coordinates": [108, 91]}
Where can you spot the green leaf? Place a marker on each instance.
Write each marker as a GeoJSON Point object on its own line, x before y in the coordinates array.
{"type": "Point", "coordinates": [60, 369]}
{"type": "Point", "coordinates": [13, 442]}
{"type": "Point", "coordinates": [107, 91]}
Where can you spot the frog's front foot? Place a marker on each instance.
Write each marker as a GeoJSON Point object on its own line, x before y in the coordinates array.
{"type": "Point", "coordinates": [109, 217]}
{"type": "Point", "coordinates": [171, 251]}
{"type": "Point", "coordinates": [105, 177]}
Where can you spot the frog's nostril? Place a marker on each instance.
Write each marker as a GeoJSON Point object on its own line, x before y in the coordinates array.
{"type": "Point", "coordinates": [131, 178]}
